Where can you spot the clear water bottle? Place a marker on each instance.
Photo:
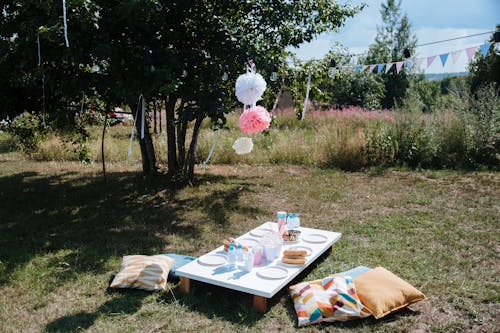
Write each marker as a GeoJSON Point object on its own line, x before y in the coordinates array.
{"type": "Point", "coordinates": [296, 221]}
{"type": "Point", "coordinates": [231, 256]}
{"type": "Point", "coordinates": [289, 221]}
{"type": "Point", "coordinates": [239, 255]}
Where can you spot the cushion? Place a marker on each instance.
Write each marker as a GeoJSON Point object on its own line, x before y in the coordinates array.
{"type": "Point", "coordinates": [330, 299]}
{"type": "Point", "coordinates": [143, 272]}
{"type": "Point", "coordinates": [355, 272]}
{"type": "Point", "coordinates": [180, 260]}
{"type": "Point", "coordinates": [382, 292]}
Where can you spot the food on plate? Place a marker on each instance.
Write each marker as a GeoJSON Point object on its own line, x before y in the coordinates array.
{"type": "Point", "coordinates": [291, 235]}
{"type": "Point", "coordinates": [294, 253]}
{"type": "Point", "coordinates": [294, 261]}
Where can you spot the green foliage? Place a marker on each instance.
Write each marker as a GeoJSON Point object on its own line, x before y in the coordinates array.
{"type": "Point", "coordinates": [28, 132]}
{"type": "Point", "coordinates": [392, 38]}
{"type": "Point", "coordinates": [422, 95]}
{"type": "Point", "coordinates": [485, 70]}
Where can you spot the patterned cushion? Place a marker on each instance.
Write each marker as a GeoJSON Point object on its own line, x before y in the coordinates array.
{"type": "Point", "coordinates": [143, 272]}
{"type": "Point", "coordinates": [333, 298]}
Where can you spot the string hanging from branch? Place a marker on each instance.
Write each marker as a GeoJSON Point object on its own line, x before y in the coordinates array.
{"type": "Point", "coordinates": [65, 22]}
{"type": "Point", "coordinates": [140, 106]}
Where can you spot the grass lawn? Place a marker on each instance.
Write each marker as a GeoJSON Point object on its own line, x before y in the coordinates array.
{"type": "Point", "coordinates": [63, 231]}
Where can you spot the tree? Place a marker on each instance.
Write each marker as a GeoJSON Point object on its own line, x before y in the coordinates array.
{"type": "Point", "coordinates": [174, 51]}
{"type": "Point", "coordinates": [487, 69]}
{"type": "Point", "coordinates": [392, 38]}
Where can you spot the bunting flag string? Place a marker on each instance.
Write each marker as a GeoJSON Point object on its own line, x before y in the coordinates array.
{"type": "Point", "coordinates": [455, 55]}
{"type": "Point", "coordinates": [417, 62]}
{"type": "Point", "coordinates": [430, 60]}
{"type": "Point", "coordinates": [470, 52]}
{"type": "Point", "coordinates": [443, 58]}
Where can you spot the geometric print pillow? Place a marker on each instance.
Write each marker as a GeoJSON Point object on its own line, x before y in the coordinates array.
{"type": "Point", "coordinates": [143, 272]}
{"type": "Point", "coordinates": [333, 298]}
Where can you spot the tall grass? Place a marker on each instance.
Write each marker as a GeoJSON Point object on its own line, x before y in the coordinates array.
{"type": "Point", "coordinates": [465, 134]}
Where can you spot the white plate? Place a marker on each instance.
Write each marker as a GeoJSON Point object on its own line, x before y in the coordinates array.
{"type": "Point", "coordinates": [249, 242]}
{"type": "Point", "coordinates": [301, 247]}
{"type": "Point", "coordinates": [213, 259]}
{"type": "Point", "coordinates": [273, 273]}
{"type": "Point", "coordinates": [259, 232]}
{"type": "Point", "coordinates": [292, 265]}
{"type": "Point", "coordinates": [314, 238]}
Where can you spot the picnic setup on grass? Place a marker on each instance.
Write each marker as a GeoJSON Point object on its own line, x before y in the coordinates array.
{"type": "Point", "coordinates": [269, 258]}
{"type": "Point", "coordinates": [264, 260]}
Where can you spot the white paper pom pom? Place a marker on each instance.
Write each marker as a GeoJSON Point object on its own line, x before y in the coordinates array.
{"type": "Point", "coordinates": [243, 145]}
{"type": "Point", "coordinates": [249, 88]}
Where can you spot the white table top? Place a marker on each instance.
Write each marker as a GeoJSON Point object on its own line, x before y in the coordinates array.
{"type": "Point", "coordinates": [251, 282]}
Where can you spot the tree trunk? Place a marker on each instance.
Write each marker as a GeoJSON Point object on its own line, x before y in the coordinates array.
{"type": "Point", "coordinates": [154, 117]}
{"type": "Point", "coordinates": [171, 137]}
{"type": "Point", "coordinates": [146, 145]}
{"type": "Point", "coordinates": [192, 148]}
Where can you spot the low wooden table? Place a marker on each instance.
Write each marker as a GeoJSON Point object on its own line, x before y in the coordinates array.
{"type": "Point", "coordinates": [252, 282]}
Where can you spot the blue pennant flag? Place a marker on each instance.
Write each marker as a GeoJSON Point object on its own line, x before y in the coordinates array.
{"type": "Point", "coordinates": [379, 68]}
{"type": "Point", "coordinates": [409, 64]}
{"type": "Point", "coordinates": [357, 69]}
{"type": "Point", "coordinates": [484, 49]}
{"type": "Point", "coordinates": [444, 57]}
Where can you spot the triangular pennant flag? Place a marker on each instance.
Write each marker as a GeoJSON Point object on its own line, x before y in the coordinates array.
{"type": "Point", "coordinates": [470, 52]}
{"type": "Point", "coordinates": [350, 69]}
{"type": "Point", "coordinates": [443, 58]}
{"type": "Point", "coordinates": [399, 65]}
{"type": "Point", "coordinates": [357, 69]}
{"type": "Point", "coordinates": [455, 55]}
{"type": "Point", "coordinates": [379, 68]}
{"type": "Point", "coordinates": [430, 60]}
{"type": "Point", "coordinates": [388, 66]}
{"type": "Point", "coordinates": [484, 48]}
{"type": "Point", "coordinates": [371, 68]}
{"type": "Point", "coordinates": [343, 68]}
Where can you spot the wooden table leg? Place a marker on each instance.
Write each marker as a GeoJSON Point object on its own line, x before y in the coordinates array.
{"type": "Point", "coordinates": [260, 303]}
{"type": "Point", "coordinates": [184, 286]}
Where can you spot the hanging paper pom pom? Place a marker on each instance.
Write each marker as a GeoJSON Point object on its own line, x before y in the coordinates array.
{"type": "Point", "coordinates": [254, 120]}
{"type": "Point", "coordinates": [249, 88]}
{"type": "Point", "coordinates": [243, 145]}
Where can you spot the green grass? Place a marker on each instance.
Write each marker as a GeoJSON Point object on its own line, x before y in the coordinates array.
{"type": "Point", "coordinates": [63, 231]}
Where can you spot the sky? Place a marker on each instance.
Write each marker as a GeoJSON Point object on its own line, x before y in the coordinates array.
{"type": "Point", "coordinates": [431, 20]}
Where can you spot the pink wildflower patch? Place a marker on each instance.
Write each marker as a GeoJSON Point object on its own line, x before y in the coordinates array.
{"type": "Point", "coordinates": [254, 120]}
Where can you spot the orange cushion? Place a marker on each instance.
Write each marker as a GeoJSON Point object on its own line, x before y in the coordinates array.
{"type": "Point", "coordinates": [382, 292]}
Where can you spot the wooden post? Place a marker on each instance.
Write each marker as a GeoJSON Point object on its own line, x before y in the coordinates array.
{"type": "Point", "coordinates": [260, 303]}
{"type": "Point", "coordinates": [184, 285]}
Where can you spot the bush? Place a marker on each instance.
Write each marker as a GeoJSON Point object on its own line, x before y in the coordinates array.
{"type": "Point", "coordinates": [28, 132]}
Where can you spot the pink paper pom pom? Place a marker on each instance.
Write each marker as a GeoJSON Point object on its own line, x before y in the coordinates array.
{"type": "Point", "coordinates": [254, 120]}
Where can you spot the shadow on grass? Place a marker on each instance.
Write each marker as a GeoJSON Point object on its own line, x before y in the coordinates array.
{"type": "Point", "coordinates": [92, 220]}
{"type": "Point", "coordinates": [127, 302]}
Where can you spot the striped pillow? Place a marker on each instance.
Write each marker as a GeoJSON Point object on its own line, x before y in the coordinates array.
{"type": "Point", "coordinates": [143, 272]}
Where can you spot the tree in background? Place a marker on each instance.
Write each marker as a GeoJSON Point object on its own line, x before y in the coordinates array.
{"type": "Point", "coordinates": [392, 38]}
{"type": "Point", "coordinates": [486, 70]}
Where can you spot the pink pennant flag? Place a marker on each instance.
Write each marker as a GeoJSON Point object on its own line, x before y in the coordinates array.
{"type": "Point", "coordinates": [350, 69]}
{"type": "Point", "coordinates": [430, 60]}
{"type": "Point", "coordinates": [455, 55]}
{"type": "Point", "coordinates": [371, 68]}
{"type": "Point", "coordinates": [399, 65]}
{"type": "Point", "coordinates": [470, 52]}
{"type": "Point", "coordinates": [388, 66]}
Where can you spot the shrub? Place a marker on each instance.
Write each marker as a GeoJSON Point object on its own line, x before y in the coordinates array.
{"type": "Point", "coordinates": [28, 132]}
